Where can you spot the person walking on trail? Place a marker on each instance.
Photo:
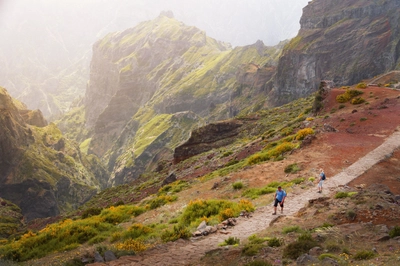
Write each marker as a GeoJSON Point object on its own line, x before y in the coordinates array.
{"type": "Point", "coordinates": [322, 178]}
{"type": "Point", "coordinates": [280, 196]}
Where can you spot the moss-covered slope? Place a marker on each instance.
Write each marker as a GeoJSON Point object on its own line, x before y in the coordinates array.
{"type": "Point", "coordinates": [41, 171]}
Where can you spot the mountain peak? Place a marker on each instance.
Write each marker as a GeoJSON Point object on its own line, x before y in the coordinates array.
{"type": "Point", "coordinates": [167, 13]}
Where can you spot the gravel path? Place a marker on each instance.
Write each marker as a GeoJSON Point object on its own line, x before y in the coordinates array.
{"type": "Point", "coordinates": [183, 252]}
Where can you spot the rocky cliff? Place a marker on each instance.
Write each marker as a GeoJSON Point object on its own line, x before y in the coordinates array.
{"type": "Point", "coordinates": [41, 171]}
{"type": "Point", "coordinates": [163, 69]}
{"type": "Point", "coordinates": [344, 41]}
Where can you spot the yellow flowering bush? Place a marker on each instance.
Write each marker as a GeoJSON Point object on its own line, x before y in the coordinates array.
{"type": "Point", "coordinates": [301, 134]}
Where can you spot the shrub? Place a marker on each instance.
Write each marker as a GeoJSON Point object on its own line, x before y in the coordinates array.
{"type": "Point", "coordinates": [343, 194]}
{"type": "Point", "coordinates": [179, 231]}
{"type": "Point", "coordinates": [342, 106]}
{"type": "Point", "coordinates": [286, 131]}
{"type": "Point", "coordinates": [301, 134]}
{"type": "Point", "coordinates": [363, 119]}
{"type": "Point", "coordinates": [91, 212]}
{"type": "Point", "coordinates": [309, 118]}
{"type": "Point", "coordinates": [227, 153]}
{"type": "Point", "coordinates": [333, 247]}
{"type": "Point", "coordinates": [251, 249]}
{"type": "Point", "coordinates": [254, 193]}
{"type": "Point", "coordinates": [256, 240]}
{"type": "Point", "coordinates": [231, 162]}
{"type": "Point", "coordinates": [213, 208]}
{"type": "Point", "coordinates": [395, 231]}
{"type": "Point", "coordinates": [364, 255]}
{"type": "Point", "coordinates": [357, 100]}
{"type": "Point", "coordinates": [237, 185]}
{"type": "Point", "coordinates": [362, 85]}
{"type": "Point", "coordinates": [351, 214]}
{"type": "Point", "coordinates": [328, 255]}
{"type": "Point", "coordinates": [349, 94]}
{"type": "Point", "coordinates": [132, 245]}
{"type": "Point", "coordinates": [299, 247]}
{"type": "Point", "coordinates": [274, 242]}
{"type": "Point", "coordinates": [290, 229]}
{"type": "Point", "coordinates": [231, 241]}
{"type": "Point", "coordinates": [161, 201]}
{"type": "Point", "coordinates": [298, 180]}
{"type": "Point", "coordinates": [292, 168]}
{"type": "Point", "coordinates": [115, 215]}
{"type": "Point", "coordinates": [136, 230]}
{"type": "Point", "coordinates": [311, 179]}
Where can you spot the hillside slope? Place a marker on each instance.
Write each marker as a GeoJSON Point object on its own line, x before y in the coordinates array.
{"type": "Point", "coordinates": [41, 171]}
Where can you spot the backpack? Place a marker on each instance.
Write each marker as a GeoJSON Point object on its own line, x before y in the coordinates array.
{"type": "Point", "coordinates": [323, 176]}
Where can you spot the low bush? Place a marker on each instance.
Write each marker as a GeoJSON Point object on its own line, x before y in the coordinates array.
{"type": "Point", "coordinates": [349, 94]}
{"type": "Point", "coordinates": [230, 241]}
{"type": "Point", "coordinates": [198, 209]}
{"type": "Point", "coordinates": [297, 248]}
{"type": "Point", "coordinates": [254, 193]}
{"type": "Point", "coordinates": [237, 185]}
{"type": "Point", "coordinates": [298, 180]}
{"type": "Point", "coordinates": [251, 249]}
{"type": "Point", "coordinates": [178, 231]}
{"type": "Point", "coordinates": [357, 100]}
{"type": "Point", "coordinates": [364, 255]}
{"type": "Point", "coordinates": [328, 255]}
{"type": "Point", "coordinates": [362, 85]}
{"type": "Point", "coordinates": [301, 134]}
{"type": "Point", "coordinates": [132, 245]}
{"type": "Point", "coordinates": [292, 168]}
{"type": "Point", "coordinates": [160, 201]}
{"type": "Point", "coordinates": [395, 231]}
{"type": "Point", "coordinates": [274, 242]}
{"type": "Point", "coordinates": [91, 212]}
{"type": "Point", "coordinates": [289, 229]}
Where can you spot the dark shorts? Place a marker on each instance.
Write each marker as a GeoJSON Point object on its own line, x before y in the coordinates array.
{"type": "Point", "coordinates": [276, 203]}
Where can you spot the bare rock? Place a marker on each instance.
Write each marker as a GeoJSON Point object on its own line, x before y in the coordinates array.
{"type": "Point", "coordinates": [202, 226]}
{"type": "Point", "coordinates": [329, 128]}
{"type": "Point", "coordinates": [171, 178]}
{"type": "Point", "coordinates": [315, 251]}
{"type": "Point", "coordinates": [329, 261]}
{"type": "Point", "coordinates": [98, 257]}
{"type": "Point", "coordinates": [383, 237]}
{"type": "Point", "coordinates": [109, 256]}
{"type": "Point", "coordinates": [306, 259]}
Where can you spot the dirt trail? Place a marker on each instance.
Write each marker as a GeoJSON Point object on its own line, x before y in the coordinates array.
{"type": "Point", "coordinates": [187, 252]}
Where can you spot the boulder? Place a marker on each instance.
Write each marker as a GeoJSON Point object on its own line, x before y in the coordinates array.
{"type": "Point", "coordinates": [170, 179]}
{"type": "Point", "coordinates": [306, 259]}
{"type": "Point", "coordinates": [109, 256]}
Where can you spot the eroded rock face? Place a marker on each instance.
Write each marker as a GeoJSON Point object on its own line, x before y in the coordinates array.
{"type": "Point", "coordinates": [211, 136]}
{"type": "Point", "coordinates": [40, 171]}
{"type": "Point", "coordinates": [344, 41]}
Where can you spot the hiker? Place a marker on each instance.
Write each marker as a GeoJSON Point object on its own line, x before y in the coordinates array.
{"type": "Point", "coordinates": [322, 177]}
{"type": "Point", "coordinates": [279, 197]}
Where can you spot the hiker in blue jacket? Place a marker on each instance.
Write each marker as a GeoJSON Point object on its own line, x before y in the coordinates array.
{"type": "Point", "coordinates": [321, 180]}
{"type": "Point", "coordinates": [280, 196]}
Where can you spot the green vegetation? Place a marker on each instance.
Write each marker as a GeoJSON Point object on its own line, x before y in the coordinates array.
{"type": "Point", "coordinates": [364, 255]}
{"type": "Point", "coordinates": [395, 231]}
{"type": "Point", "coordinates": [289, 229]}
{"type": "Point", "coordinates": [302, 245]}
{"type": "Point", "coordinates": [258, 262]}
{"type": "Point", "coordinates": [292, 168]}
{"type": "Point", "coordinates": [230, 241]}
{"type": "Point", "coordinates": [348, 95]}
{"type": "Point", "coordinates": [343, 194]}
{"type": "Point", "coordinates": [362, 85]}
{"type": "Point", "coordinates": [237, 185]}
{"type": "Point", "coordinates": [357, 100]}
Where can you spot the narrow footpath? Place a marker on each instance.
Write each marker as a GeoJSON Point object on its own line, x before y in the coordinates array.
{"type": "Point", "coordinates": [184, 252]}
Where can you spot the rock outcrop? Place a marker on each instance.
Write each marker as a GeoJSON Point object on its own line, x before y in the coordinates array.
{"type": "Point", "coordinates": [41, 171]}
{"type": "Point", "coordinates": [211, 136]}
{"type": "Point", "coordinates": [344, 41]}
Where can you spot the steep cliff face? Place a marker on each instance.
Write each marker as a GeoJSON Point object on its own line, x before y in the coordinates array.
{"type": "Point", "coordinates": [165, 66]}
{"type": "Point", "coordinates": [40, 170]}
{"type": "Point", "coordinates": [344, 41]}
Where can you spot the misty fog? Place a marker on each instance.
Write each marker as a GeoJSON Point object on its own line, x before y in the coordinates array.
{"type": "Point", "coordinates": [46, 44]}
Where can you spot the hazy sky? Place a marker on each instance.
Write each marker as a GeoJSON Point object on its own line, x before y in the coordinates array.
{"type": "Point", "coordinates": [239, 22]}
{"type": "Point", "coordinates": [44, 42]}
